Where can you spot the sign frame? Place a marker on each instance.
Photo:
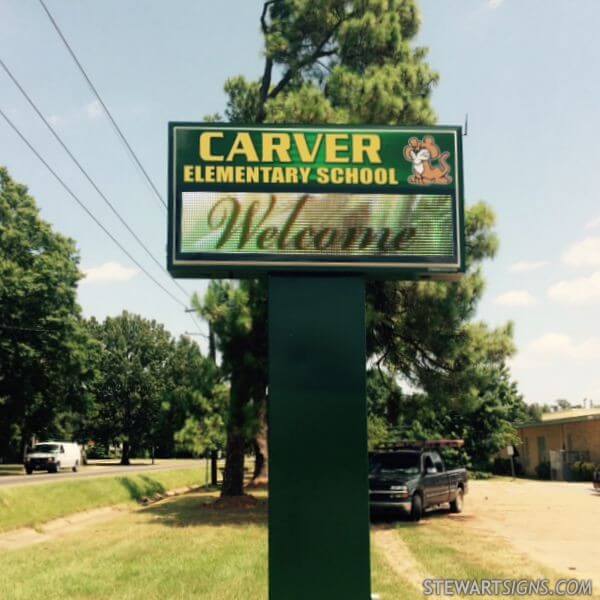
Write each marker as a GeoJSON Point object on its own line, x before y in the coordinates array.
{"type": "Point", "coordinates": [249, 265]}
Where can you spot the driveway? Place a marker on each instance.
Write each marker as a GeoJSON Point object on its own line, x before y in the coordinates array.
{"type": "Point", "coordinates": [555, 523]}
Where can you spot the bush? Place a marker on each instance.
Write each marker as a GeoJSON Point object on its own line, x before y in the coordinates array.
{"type": "Point", "coordinates": [502, 466]}
{"type": "Point", "coordinates": [582, 471]}
{"type": "Point", "coordinates": [96, 451]}
{"type": "Point", "coordinates": [480, 475]}
{"type": "Point", "coordinates": [543, 470]}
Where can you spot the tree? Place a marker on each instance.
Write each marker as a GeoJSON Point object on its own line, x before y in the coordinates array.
{"type": "Point", "coordinates": [425, 332]}
{"type": "Point", "coordinates": [353, 61]}
{"type": "Point", "coordinates": [340, 61]}
{"type": "Point", "coordinates": [562, 404]}
{"type": "Point", "coordinates": [237, 316]}
{"type": "Point", "coordinates": [134, 368]}
{"type": "Point", "coordinates": [45, 352]}
{"type": "Point", "coordinates": [194, 403]}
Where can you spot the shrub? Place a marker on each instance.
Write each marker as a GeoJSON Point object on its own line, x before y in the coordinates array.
{"type": "Point", "coordinates": [543, 470]}
{"type": "Point", "coordinates": [582, 471]}
{"type": "Point", "coordinates": [479, 475]}
{"type": "Point", "coordinates": [502, 466]}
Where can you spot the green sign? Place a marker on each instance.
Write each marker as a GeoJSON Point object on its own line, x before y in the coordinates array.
{"type": "Point", "coordinates": [249, 200]}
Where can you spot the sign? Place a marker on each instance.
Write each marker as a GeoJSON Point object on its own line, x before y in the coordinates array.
{"type": "Point", "coordinates": [245, 200]}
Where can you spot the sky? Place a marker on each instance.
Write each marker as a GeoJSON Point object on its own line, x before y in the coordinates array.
{"type": "Point", "coordinates": [525, 72]}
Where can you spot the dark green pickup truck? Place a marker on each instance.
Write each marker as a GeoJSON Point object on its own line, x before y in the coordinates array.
{"type": "Point", "coordinates": [411, 480]}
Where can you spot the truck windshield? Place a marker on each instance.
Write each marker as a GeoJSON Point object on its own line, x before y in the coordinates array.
{"type": "Point", "coordinates": [48, 448]}
{"type": "Point", "coordinates": [400, 462]}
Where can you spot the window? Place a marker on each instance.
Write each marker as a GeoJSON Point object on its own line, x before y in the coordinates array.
{"type": "Point", "coordinates": [395, 462]}
{"type": "Point", "coordinates": [428, 463]}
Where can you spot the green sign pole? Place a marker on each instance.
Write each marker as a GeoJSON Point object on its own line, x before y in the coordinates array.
{"type": "Point", "coordinates": [318, 488]}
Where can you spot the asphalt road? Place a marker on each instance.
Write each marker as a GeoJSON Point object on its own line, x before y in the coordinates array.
{"type": "Point", "coordinates": [98, 470]}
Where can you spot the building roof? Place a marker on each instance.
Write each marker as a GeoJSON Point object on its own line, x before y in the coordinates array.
{"type": "Point", "coordinates": [573, 415]}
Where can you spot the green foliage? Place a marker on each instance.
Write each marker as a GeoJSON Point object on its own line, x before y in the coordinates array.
{"type": "Point", "coordinates": [237, 315]}
{"type": "Point", "coordinates": [193, 404]}
{"type": "Point", "coordinates": [583, 471]}
{"type": "Point", "coordinates": [354, 61]}
{"type": "Point", "coordinates": [46, 358]}
{"type": "Point", "coordinates": [425, 332]}
{"type": "Point", "coordinates": [134, 369]}
{"type": "Point", "coordinates": [378, 431]}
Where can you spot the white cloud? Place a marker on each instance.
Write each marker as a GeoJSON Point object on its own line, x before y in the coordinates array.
{"type": "Point", "coordinates": [557, 347]}
{"type": "Point", "coordinates": [93, 110]}
{"type": "Point", "coordinates": [516, 298]}
{"type": "Point", "coordinates": [593, 224]}
{"type": "Point", "coordinates": [523, 266]}
{"type": "Point", "coordinates": [585, 253]}
{"type": "Point", "coordinates": [578, 292]}
{"type": "Point", "coordinates": [109, 272]}
{"type": "Point", "coordinates": [494, 3]}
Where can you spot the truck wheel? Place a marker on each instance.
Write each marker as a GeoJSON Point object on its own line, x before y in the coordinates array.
{"type": "Point", "coordinates": [416, 510]}
{"type": "Point", "coordinates": [76, 466]}
{"type": "Point", "coordinates": [28, 470]}
{"type": "Point", "coordinates": [456, 506]}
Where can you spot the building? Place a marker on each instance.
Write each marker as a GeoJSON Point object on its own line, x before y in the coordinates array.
{"type": "Point", "coordinates": [560, 439]}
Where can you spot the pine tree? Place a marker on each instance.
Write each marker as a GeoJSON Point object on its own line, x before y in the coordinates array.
{"type": "Point", "coordinates": [350, 61]}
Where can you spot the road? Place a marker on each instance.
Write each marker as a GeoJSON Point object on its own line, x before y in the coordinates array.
{"type": "Point", "coordinates": [100, 469]}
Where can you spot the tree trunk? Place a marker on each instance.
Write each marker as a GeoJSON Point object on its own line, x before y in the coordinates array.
{"type": "Point", "coordinates": [213, 468]}
{"type": "Point", "coordinates": [125, 454]}
{"type": "Point", "coordinates": [233, 478]}
{"type": "Point", "coordinates": [212, 353]}
{"type": "Point", "coordinates": [261, 449]}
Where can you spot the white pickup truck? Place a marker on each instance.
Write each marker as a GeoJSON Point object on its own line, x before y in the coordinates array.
{"type": "Point", "coordinates": [52, 457]}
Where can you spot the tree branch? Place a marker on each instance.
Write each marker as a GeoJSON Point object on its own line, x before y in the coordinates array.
{"type": "Point", "coordinates": [318, 53]}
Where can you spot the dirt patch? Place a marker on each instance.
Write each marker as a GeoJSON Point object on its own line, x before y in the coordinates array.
{"type": "Point", "coordinates": [244, 502]}
{"type": "Point", "coordinates": [555, 524]}
{"type": "Point", "coordinates": [28, 536]}
{"type": "Point", "coordinates": [399, 557]}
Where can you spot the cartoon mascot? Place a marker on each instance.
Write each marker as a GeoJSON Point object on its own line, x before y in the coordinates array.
{"type": "Point", "coordinates": [421, 153]}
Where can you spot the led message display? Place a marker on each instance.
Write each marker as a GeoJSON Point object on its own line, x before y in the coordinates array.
{"type": "Point", "coordinates": [248, 200]}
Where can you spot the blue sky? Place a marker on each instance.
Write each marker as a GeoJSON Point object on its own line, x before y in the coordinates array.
{"type": "Point", "coordinates": [526, 73]}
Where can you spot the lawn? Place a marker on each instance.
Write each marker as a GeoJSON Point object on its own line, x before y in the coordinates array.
{"type": "Point", "coordinates": [182, 548]}
{"type": "Point", "coordinates": [31, 505]}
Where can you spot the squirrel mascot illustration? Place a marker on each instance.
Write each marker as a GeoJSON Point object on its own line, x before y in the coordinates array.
{"type": "Point", "coordinates": [421, 153]}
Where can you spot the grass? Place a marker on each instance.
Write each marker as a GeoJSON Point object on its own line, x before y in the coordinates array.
{"type": "Point", "coordinates": [183, 548]}
{"type": "Point", "coordinates": [445, 548]}
{"type": "Point", "coordinates": [6, 470]}
{"type": "Point", "coordinates": [32, 505]}
{"type": "Point", "coordinates": [177, 549]}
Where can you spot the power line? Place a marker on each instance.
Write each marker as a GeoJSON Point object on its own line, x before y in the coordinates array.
{"type": "Point", "coordinates": [197, 325]}
{"type": "Point", "coordinates": [86, 174]}
{"type": "Point", "coordinates": [87, 210]}
{"type": "Point", "coordinates": [104, 107]}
